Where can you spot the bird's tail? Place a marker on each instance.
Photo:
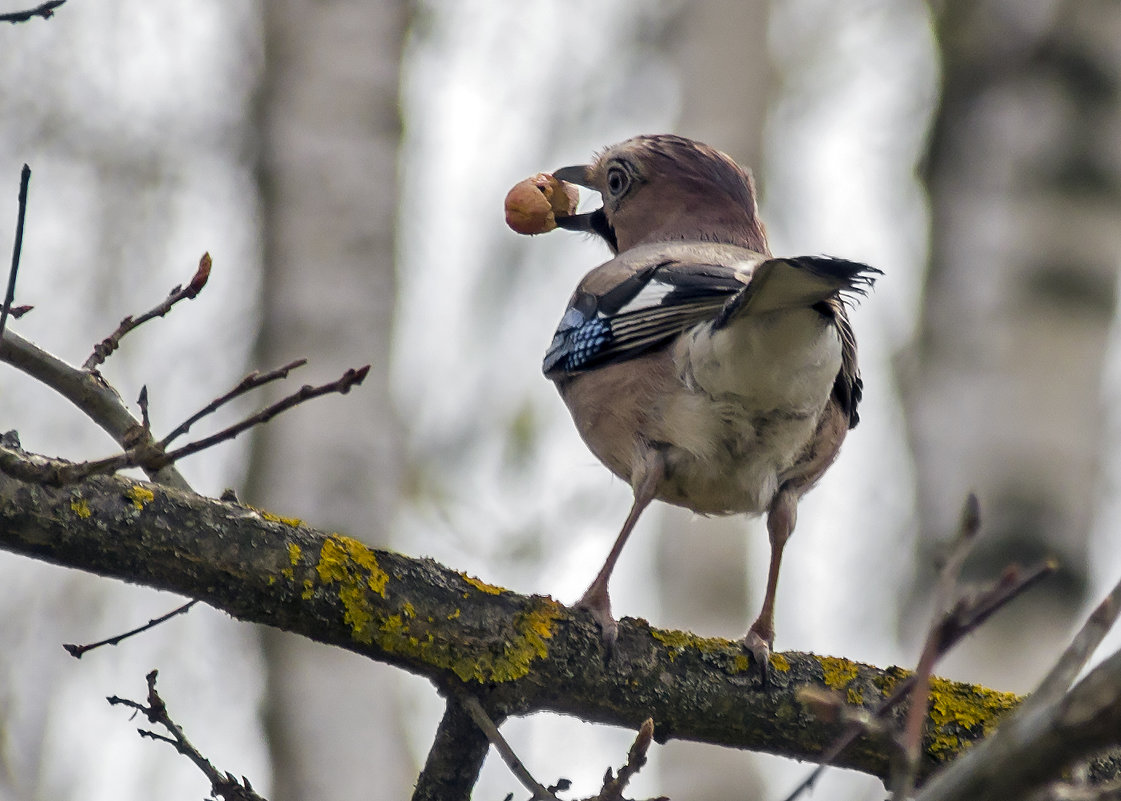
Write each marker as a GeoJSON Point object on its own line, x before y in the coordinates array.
{"type": "Point", "coordinates": [799, 283]}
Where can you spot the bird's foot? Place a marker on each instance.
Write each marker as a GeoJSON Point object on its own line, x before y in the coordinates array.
{"type": "Point", "coordinates": [760, 648]}
{"type": "Point", "coordinates": [596, 601]}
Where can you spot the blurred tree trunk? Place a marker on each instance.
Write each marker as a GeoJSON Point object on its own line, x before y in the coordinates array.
{"type": "Point", "coordinates": [1024, 175]}
{"type": "Point", "coordinates": [720, 51]}
{"type": "Point", "coordinates": [330, 131]}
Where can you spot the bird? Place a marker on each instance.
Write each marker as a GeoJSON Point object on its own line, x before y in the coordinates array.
{"type": "Point", "coordinates": [696, 366]}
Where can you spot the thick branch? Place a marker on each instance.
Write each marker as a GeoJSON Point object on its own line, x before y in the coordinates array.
{"type": "Point", "coordinates": [519, 654]}
{"type": "Point", "coordinates": [455, 758]}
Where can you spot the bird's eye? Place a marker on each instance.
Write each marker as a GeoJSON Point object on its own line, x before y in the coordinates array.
{"type": "Point", "coordinates": [617, 181]}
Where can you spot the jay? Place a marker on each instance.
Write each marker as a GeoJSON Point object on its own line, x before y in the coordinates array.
{"type": "Point", "coordinates": [697, 367]}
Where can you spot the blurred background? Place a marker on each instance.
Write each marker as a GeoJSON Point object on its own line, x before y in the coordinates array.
{"type": "Point", "coordinates": [345, 164]}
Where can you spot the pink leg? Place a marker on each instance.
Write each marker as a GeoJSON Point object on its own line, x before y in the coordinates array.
{"type": "Point", "coordinates": [781, 517]}
{"type": "Point", "coordinates": [595, 599]}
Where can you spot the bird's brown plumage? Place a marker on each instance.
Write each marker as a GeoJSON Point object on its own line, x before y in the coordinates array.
{"type": "Point", "coordinates": [696, 366]}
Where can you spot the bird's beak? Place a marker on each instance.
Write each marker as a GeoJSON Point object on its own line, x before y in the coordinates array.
{"type": "Point", "coordinates": [575, 175]}
{"type": "Point", "coordinates": [592, 222]}
{"type": "Point", "coordinates": [578, 175]}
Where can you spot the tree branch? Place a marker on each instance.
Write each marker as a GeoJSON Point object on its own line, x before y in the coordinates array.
{"type": "Point", "coordinates": [44, 10]}
{"type": "Point", "coordinates": [89, 392]}
{"type": "Point", "coordinates": [528, 653]}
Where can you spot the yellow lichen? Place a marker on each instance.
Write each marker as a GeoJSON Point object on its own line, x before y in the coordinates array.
{"type": "Point", "coordinates": [836, 672]}
{"type": "Point", "coordinates": [288, 521]}
{"type": "Point", "coordinates": [731, 653]}
{"type": "Point", "coordinates": [79, 507]}
{"type": "Point", "coordinates": [779, 662]}
{"type": "Point", "coordinates": [351, 570]}
{"type": "Point", "coordinates": [532, 628]}
{"type": "Point", "coordinates": [352, 565]}
{"type": "Point", "coordinates": [347, 560]}
{"type": "Point", "coordinates": [140, 495]}
{"type": "Point", "coordinates": [960, 713]}
{"type": "Point", "coordinates": [489, 589]}
{"type": "Point", "coordinates": [294, 552]}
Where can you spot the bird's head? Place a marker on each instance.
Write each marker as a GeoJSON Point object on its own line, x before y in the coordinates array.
{"type": "Point", "coordinates": [665, 188]}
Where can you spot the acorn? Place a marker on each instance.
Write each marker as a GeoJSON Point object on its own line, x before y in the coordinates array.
{"type": "Point", "coordinates": [533, 205]}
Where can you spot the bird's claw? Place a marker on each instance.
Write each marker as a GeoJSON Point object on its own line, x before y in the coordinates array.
{"type": "Point", "coordinates": [598, 603]}
{"type": "Point", "coordinates": [760, 651]}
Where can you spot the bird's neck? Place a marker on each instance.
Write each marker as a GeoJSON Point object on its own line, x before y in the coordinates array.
{"type": "Point", "coordinates": [739, 230]}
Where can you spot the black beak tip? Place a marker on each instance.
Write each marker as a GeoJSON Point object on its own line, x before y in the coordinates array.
{"type": "Point", "coordinates": [574, 175]}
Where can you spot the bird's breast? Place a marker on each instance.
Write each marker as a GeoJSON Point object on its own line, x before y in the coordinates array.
{"type": "Point", "coordinates": [732, 411]}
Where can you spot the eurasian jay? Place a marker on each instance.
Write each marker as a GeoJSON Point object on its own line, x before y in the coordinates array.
{"type": "Point", "coordinates": [696, 367]}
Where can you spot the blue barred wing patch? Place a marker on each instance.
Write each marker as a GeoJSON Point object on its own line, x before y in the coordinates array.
{"type": "Point", "coordinates": [579, 339]}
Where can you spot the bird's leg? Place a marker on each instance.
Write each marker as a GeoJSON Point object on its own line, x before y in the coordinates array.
{"type": "Point", "coordinates": [595, 599]}
{"type": "Point", "coordinates": [781, 517]}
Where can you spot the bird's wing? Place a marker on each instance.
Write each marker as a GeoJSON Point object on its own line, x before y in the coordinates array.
{"type": "Point", "coordinates": [647, 296]}
{"type": "Point", "coordinates": [799, 283]}
{"type": "Point", "coordinates": [642, 299]}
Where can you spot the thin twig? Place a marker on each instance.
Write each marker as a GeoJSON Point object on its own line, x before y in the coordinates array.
{"type": "Point", "coordinates": [250, 382]}
{"type": "Point", "coordinates": [1070, 663]}
{"type": "Point", "coordinates": [45, 10]}
{"type": "Point", "coordinates": [89, 393]}
{"type": "Point", "coordinates": [636, 757]}
{"type": "Point", "coordinates": [945, 606]}
{"type": "Point", "coordinates": [77, 651]}
{"type": "Point", "coordinates": [17, 247]}
{"type": "Point", "coordinates": [151, 456]}
{"type": "Point", "coordinates": [103, 349]}
{"type": "Point", "coordinates": [142, 402]}
{"type": "Point", "coordinates": [962, 621]}
{"type": "Point", "coordinates": [473, 708]}
{"type": "Point", "coordinates": [351, 378]}
{"type": "Point", "coordinates": [224, 785]}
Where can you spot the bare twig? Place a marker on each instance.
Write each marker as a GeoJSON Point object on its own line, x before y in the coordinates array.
{"type": "Point", "coordinates": [87, 391]}
{"type": "Point", "coordinates": [473, 708]}
{"type": "Point", "coordinates": [342, 385]}
{"type": "Point", "coordinates": [17, 248]}
{"type": "Point", "coordinates": [963, 620]}
{"type": "Point", "coordinates": [1074, 658]}
{"type": "Point", "coordinates": [45, 10]}
{"type": "Point", "coordinates": [945, 607]}
{"type": "Point", "coordinates": [1051, 730]}
{"type": "Point", "coordinates": [250, 382]}
{"type": "Point", "coordinates": [151, 455]}
{"type": "Point", "coordinates": [613, 786]}
{"type": "Point", "coordinates": [224, 785]}
{"type": "Point", "coordinates": [142, 402]}
{"type": "Point", "coordinates": [77, 651]}
{"type": "Point", "coordinates": [103, 349]}
{"type": "Point", "coordinates": [1038, 744]}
